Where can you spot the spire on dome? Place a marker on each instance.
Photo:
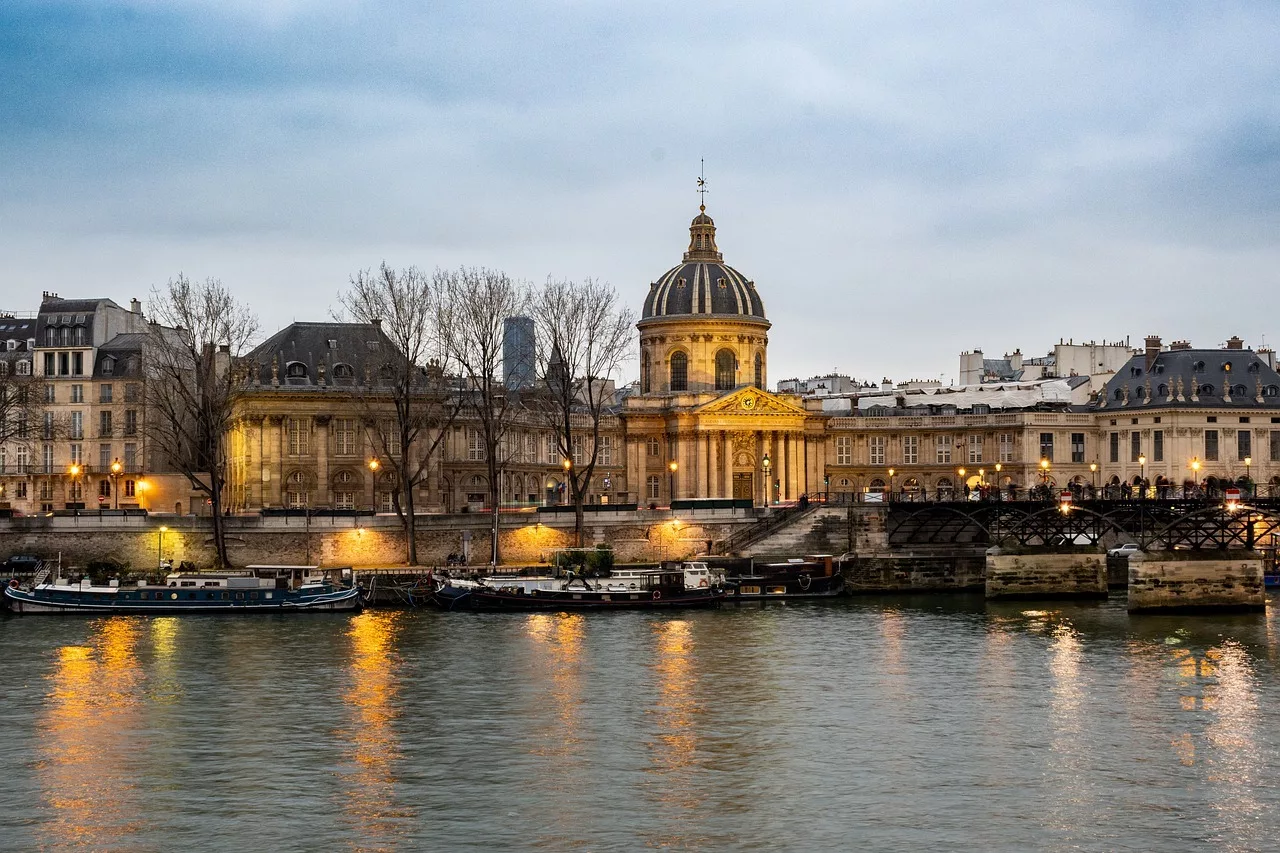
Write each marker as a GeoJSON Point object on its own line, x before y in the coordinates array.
{"type": "Point", "coordinates": [702, 238]}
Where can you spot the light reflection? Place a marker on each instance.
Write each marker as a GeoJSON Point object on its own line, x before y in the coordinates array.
{"type": "Point", "coordinates": [166, 686]}
{"type": "Point", "coordinates": [893, 670]}
{"type": "Point", "coordinates": [85, 769]}
{"type": "Point", "coordinates": [1236, 771]}
{"type": "Point", "coordinates": [370, 799]}
{"type": "Point", "coordinates": [674, 752]}
{"type": "Point", "coordinates": [1071, 748]}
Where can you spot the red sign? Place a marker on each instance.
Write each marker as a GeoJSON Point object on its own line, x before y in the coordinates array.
{"type": "Point", "coordinates": [1232, 495]}
{"type": "Point", "coordinates": [102, 499]}
{"type": "Point", "coordinates": [1065, 496]}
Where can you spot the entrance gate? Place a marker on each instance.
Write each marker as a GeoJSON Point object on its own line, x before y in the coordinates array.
{"type": "Point", "coordinates": [744, 487]}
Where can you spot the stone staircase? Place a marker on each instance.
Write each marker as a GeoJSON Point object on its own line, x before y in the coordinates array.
{"type": "Point", "coordinates": [825, 530]}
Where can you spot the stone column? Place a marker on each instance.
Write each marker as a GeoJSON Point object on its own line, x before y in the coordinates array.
{"type": "Point", "coordinates": [795, 469]}
{"type": "Point", "coordinates": [641, 486]}
{"type": "Point", "coordinates": [726, 464]}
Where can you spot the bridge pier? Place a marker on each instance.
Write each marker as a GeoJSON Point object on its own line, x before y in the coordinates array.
{"type": "Point", "coordinates": [1195, 581]}
{"type": "Point", "coordinates": [1045, 574]}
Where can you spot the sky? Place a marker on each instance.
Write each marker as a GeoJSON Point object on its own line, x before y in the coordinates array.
{"type": "Point", "coordinates": [902, 180]}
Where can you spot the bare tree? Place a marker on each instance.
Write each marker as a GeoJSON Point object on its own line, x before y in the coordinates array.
{"type": "Point", "coordinates": [195, 377]}
{"type": "Point", "coordinates": [584, 334]}
{"type": "Point", "coordinates": [475, 303]}
{"type": "Point", "coordinates": [411, 380]}
{"type": "Point", "coordinates": [21, 410]}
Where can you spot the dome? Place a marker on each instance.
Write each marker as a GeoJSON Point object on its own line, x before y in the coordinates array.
{"type": "Point", "coordinates": [703, 284]}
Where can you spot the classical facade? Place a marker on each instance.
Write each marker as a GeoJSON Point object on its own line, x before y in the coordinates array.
{"type": "Point", "coordinates": [703, 425]}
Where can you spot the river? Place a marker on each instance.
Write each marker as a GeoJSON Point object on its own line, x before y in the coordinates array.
{"type": "Point", "coordinates": [890, 723]}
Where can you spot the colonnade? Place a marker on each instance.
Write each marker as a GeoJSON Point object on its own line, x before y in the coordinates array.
{"type": "Point", "coordinates": [705, 465]}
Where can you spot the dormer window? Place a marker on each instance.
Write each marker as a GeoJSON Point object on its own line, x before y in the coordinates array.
{"type": "Point", "coordinates": [1206, 390]}
{"type": "Point", "coordinates": [295, 370]}
{"type": "Point", "coordinates": [1226, 367]}
{"type": "Point", "coordinates": [343, 371]}
{"type": "Point", "coordinates": [1135, 371]}
{"type": "Point", "coordinates": [108, 366]}
{"type": "Point", "coordinates": [24, 368]}
{"type": "Point", "coordinates": [1253, 368]}
{"type": "Point", "coordinates": [680, 282]}
{"type": "Point", "coordinates": [1198, 367]}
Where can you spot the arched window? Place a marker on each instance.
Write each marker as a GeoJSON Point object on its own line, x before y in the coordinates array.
{"type": "Point", "coordinates": [644, 372]}
{"type": "Point", "coordinates": [1163, 390]}
{"type": "Point", "coordinates": [1239, 391]}
{"type": "Point", "coordinates": [295, 370]}
{"type": "Point", "coordinates": [726, 367]}
{"type": "Point", "coordinates": [759, 371]}
{"type": "Point", "coordinates": [679, 372]}
{"type": "Point", "coordinates": [1206, 390]}
{"type": "Point", "coordinates": [343, 372]}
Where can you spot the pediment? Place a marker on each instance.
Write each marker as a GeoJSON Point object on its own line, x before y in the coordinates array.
{"type": "Point", "coordinates": [750, 401]}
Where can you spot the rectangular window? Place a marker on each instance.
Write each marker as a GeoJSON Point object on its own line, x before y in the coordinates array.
{"type": "Point", "coordinates": [1135, 445]}
{"type": "Point", "coordinates": [655, 446]}
{"type": "Point", "coordinates": [1244, 444]}
{"type": "Point", "coordinates": [130, 488]}
{"type": "Point", "coordinates": [77, 424]}
{"type": "Point", "coordinates": [64, 364]}
{"type": "Point", "coordinates": [77, 393]}
{"type": "Point", "coordinates": [104, 424]}
{"type": "Point", "coordinates": [46, 458]}
{"type": "Point", "coordinates": [1046, 446]}
{"type": "Point", "coordinates": [975, 449]}
{"type": "Point", "coordinates": [877, 450]}
{"type": "Point", "coordinates": [130, 421]}
{"type": "Point", "coordinates": [654, 486]}
{"type": "Point", "coordinates": [475, 445]}
{"type": "Point", "coordinates": [390, 437]}
{"type": "Point", "coordinates": [1211, 445]}
{"type": "Point", "coordinates": [22, 461]}
{"type": "Point", "coordinates": [298, 431]}
{"type": "Point", "coordinates": [844, 450]}
{"type": "Point", "coordinates": [50, 393]}
{"type": "Point", "coordinates": [344, 500]}
{"type": "Point", "coordinates": [104, 393]}
{"type": "Point", "coordinates": [1113, 447]}
{"type": "Point", "coordinates": [49, 368]}
{"type": "Point", "coordinates": [132, 392]}
{"type": "Point", "coordinates": [345, 437]}
{"type": "Point", "coordinates": [104, 457]}
{"type": "Point", "coordinates": [77, 364]}
{"type": "Point", "coordinates": [47, 432]}
{"type": "Point", "coordinates": [1077, 447]}
{"type": "Point", "coordinates": [943, 450]}
{"type": "Point", "coordinates": [1275, 445]}
{"type": "Point", "coordinates": [1005, 445]}
{"type": "Point", "coordinates": [131, 457]}
{"type": "Point", "coordinates": [606, 450]}
{"type": "Point", "coordinates": [76, 457]}
{"type": "Point", "coordinates": [910, 449]}
{"type": "Point", "coordinates": [1157, 446]}
{"type": "Point", "coordinates": [530, 447]}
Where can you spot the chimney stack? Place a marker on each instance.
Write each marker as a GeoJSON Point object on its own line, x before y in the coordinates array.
{"type": "Point", "coordinates": [1234, 342]}
{"type": "Point", "coordinates": [1153, 350]}
{"type": "Point", "coordinates": [135, 306]}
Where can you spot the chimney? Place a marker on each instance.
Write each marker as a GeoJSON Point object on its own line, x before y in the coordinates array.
{"type": "Point", "coordinates": [1177, 345]}
{"type": "Point", "coordinates": [135, 306]}
{"type": "Point", "coordinates": [1153, 350]}
{"type": "Point", "coordinates": [885, 384]}
{"type": "Point", "coordinates": [377, 323]}
{"type": "Point", "coordinates": [1234, 342]}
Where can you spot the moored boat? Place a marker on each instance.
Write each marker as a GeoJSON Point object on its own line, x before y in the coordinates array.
{"type": "Point", "coordinates": [811, 577]}
{"type": "Point", "coordinates": [654, 589]}
{"type": "Point", "coordinates": [259, 589]}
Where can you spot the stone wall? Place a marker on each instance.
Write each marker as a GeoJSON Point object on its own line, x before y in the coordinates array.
{"type": "Point", "coordinates": [138, 543]}
{"type": "Point", "coordinates": [1188, 581]}
{"type": "Point", "coordinates": [955, 572]}
{"type": "Point", "coordinates": [1045, 575]}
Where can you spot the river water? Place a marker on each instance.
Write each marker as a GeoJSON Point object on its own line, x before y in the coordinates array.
{"type": "Point", "coordinates": [934, 723]}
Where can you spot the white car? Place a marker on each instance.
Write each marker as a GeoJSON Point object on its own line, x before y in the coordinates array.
{"type": "Point", "coordinates": [1124, 550]}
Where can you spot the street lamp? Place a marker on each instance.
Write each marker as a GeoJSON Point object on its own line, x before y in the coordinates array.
{"type": "Point", "coordinates": [673, 467]}
{"type": "Point", "coordinates": [1044, 471]}
{"type": "Point", "coordinates": [960, 488]}
{"type": "Point", "coordinates": [1142, 461]}
{"type": "Point", "coordinates": [567, 464]}
{"type": "Point", "coordinates": [1093, 472]}
{"type": "Point", "coordinates": [74, 473]}
{"type": "Point", "coordinates": [116, 468]}
{"type": "Point", "coordinates": [764, 466]}
{"type": "Point", "coordinates": [891, 473]}
{"type": "Point", "coordinates": [1248, 481]}
{"type": "Point", "coordinates": [160, 547]}
{"type": "Point", "coordinates": [1195, 471]}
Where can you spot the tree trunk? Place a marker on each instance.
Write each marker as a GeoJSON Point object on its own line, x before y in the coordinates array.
{"type": "Point", "coordinates": [219, 530]}
{"type": "Point", "coordinates": [410, 524]}
{"type": "Point", "coordinates": [495, 504]}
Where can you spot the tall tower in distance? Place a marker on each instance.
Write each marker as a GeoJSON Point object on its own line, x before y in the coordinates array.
{"type": "Point", "coordinates": [519, 358]}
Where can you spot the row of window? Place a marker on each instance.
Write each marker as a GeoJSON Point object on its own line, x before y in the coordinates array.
{"type": "Point", "coordinates": [22, 367]}
{"type": "Point", "coordinates": [106, 393]}
{"type": "Point", "coordinates": [1212, 446]}
{"type": "Point", "coordinates": [971, 450]}
{"type": "Point", "coordinates": [726, 371]}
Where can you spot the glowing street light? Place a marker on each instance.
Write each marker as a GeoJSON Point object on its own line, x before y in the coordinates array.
{"type": "Point", "coordinates": [1093, 471]}
{"type": "Point", "coordinates": [891, 473]}
{"type": "Point", "coordinates": [1142, 460]}
{"type": "Point", "coordinates": [116, 468]}
{"type": "Point", "coordinates": [674, 466]}
{"type": "Point", "coordinates": [160, 547]}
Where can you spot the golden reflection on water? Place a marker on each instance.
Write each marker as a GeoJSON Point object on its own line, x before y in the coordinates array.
{"type": "Point", "coordinates": [1236, 770]}
{"type": "Point", "coordinates": [369, 800]}
{"type": "Point", "coordinates": [560, 637]}
{"type": "Point", "coordinates": [674, 751]}
{"type": "Point", "coordinates": [85, 770]}
{"type": "Point", "coordinates": [1071, 748]}
{"type": "Point", "coordinates": [892, 672]}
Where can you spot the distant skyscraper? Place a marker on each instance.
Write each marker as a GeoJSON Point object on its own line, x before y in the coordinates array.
{"type": "Point", "coordinates": [519, 360]}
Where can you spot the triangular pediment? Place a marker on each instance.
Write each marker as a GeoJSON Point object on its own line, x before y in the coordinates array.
{"type": "Point", "coordinates": [750, 401]}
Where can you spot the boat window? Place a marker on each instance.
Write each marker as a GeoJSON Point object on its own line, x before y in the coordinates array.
{"type": "Point", "coordinates": [224, 596]}
{"type": "Point", "coordinates": [253, 595]}
{"type": "Point", "coordinates": [239, 596]}
{"type": "Point", "coordinates": [173, 595]}
{"type": "Point", "coordinates": [187, 583]}
{"type": "Point", "coordinates": [267, 595]}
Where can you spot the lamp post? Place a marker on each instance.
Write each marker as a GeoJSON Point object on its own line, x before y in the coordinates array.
{"type": "Point", "coordinates": [74, 473]}
{"type": "Point", "coordinates": [764, 466]}
{"type": "Point", "coordinates": [999, 468]}
{"type": "Point", "coordinates": [960, 485]}
{"type": "Point", "coordinates": [1248, 481]}
{"type": "Point", "coordinates": [160, 547]}
{"type": "Point", "coordinates": [1195, 471]}
{"type": "Point", "coordinates": [567, 464]}
{"type": "Point", "coordinates": [674, 466]}
{"type": "Point", "coordinates": [1142, 462]}
{"type": "Point", "coordinates": [891, 473]}
{"type": "Point", "coordinates": [116, 468]}
{"type": "Point", "coordinates": [1093, 472]}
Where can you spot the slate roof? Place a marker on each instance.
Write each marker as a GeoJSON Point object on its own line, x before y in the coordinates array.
{"type": "Point", "coordinates": [703, 288]}
{"type": "Point", "coordinates": [1210, 378]}
{"type": "Point", "coordinates": [345, 350]}
{"type": "Point", "coordinates": [126, 350]}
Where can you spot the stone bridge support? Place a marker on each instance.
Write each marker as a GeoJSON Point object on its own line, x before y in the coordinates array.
{"type": "Point", "coordinates": [1075, 574]}
{"type": "Point", "coordinates": [1195, 581]}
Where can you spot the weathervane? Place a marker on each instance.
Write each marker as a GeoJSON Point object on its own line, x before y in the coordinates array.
{"type": "Point", "coordinates": [702, 184]}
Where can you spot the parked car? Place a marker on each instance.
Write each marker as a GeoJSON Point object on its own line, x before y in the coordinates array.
{"type": "Point", "coordinates": [21, 564]}
{"type": "Point", "coordinates": [1124, 550]}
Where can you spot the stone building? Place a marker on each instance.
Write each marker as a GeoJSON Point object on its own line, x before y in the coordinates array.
{"type": "Point", "coordinates": [702, 425]}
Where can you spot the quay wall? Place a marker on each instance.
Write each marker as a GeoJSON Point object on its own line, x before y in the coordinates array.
{"type": "Point", "coordinates": [1187, 581]}
{"type": "Point", "coordinates": [364, 542]}
{"type": "Point", "coordinates": [1045, 575]}
{"type": "Point", "coordinates": [957, 571]}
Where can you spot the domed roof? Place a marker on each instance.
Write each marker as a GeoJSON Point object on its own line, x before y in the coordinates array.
{"type": "Point", "coordinates": [703, 284]}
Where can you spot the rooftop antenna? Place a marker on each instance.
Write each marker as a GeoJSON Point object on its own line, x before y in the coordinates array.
{"type": "Point", "coordinates": [702, 184]}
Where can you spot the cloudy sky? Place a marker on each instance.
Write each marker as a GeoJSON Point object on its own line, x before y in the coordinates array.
{"type": "Point", "coordinates": [901, 180]}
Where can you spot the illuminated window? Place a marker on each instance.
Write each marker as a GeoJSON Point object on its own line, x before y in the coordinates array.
{"type": "Point", "coordinates": [679, 372]}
